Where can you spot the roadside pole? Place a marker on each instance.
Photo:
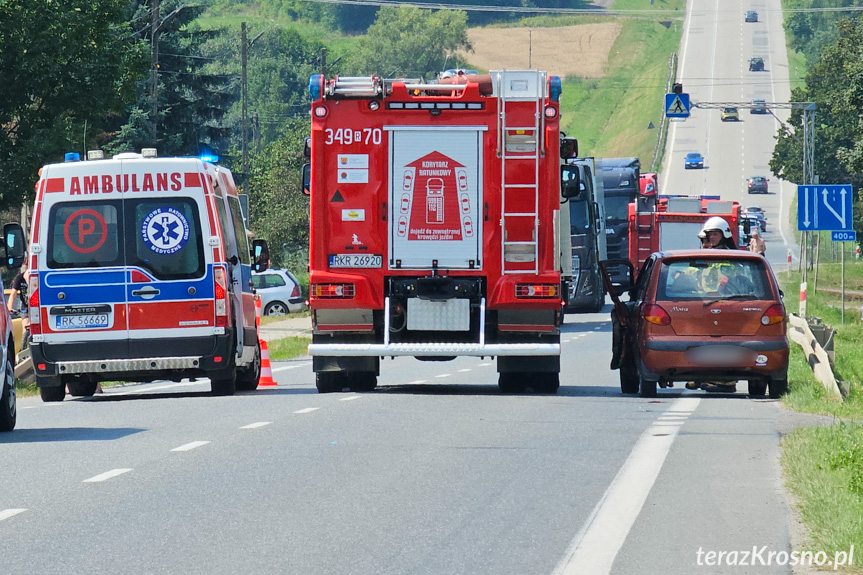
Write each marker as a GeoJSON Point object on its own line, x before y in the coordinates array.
{"type": "Point", "coordinates": [842, 259]}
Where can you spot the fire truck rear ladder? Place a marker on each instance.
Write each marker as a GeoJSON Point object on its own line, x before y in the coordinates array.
{"type": "Point", "coordinates": [520, 145]}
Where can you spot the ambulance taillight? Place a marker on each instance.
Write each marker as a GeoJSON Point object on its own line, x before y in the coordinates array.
{"type": "Point", "coordinates": [221, 289]}
{"type": "Point", "coordinates": [33, 304]}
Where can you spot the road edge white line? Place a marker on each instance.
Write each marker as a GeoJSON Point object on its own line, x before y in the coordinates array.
{"type": "Point", "coordinates": [596, 545]}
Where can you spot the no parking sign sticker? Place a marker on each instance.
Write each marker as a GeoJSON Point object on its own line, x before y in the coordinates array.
{"type": "Point", "coordinates": [85, 231]}
{"type": "Point", "coordinates": [165, 230]}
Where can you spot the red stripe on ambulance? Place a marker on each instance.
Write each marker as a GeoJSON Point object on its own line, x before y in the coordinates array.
{"type": "Point", "coordinates": [54, 185]}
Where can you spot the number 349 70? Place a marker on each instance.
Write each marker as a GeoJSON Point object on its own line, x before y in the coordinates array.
{"type": "Point", "coordinates": [348, 136]}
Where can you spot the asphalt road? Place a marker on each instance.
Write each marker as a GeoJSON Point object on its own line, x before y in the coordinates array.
{"type": "Point", "coordinates": [435, 472]}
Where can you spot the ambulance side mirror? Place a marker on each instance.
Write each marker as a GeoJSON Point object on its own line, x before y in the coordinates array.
{"type": "Point", "coordinates": [307, 179]}
{"type": "Point", "coordinates": [570, 182]}
{"type": "Point", "coordinates": [260, 256]}
{"type": "Point", "coordinates": [15, 250]}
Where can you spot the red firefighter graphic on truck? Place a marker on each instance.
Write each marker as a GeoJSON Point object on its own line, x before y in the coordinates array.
{"type": "Point", "coordinates": [435, 204]}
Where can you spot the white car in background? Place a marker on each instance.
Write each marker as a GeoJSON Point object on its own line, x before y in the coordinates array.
{"type": "Point", "coordinates": [280, 292]}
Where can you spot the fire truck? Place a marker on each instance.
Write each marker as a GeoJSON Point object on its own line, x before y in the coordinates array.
{"type": "Point", "coordinates": [673, 222]}
{"type": "Point", "coordinates": [435, 225]}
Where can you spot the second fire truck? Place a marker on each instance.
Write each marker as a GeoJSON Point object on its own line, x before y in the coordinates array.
{"type": "Point", "coordinates": [435, 225]}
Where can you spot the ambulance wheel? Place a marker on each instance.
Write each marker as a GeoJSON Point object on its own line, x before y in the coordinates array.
{"type": "Point", "coordinates": [248, 377]}
{"type": "Point", "coordinates": [8, 399]}
{"type": "Point", "coordinates": [546, 382]}
{"type": "Point", "coordinates": [330, 381]}
{"type": "Point", "coordinates": [363, 381]}
{"type": "Point", "coordinates": [82, 388]}
{"type": "Point", "coordinates": [224, 383]}
{"type": "Point", "coordinates": [53, 393]}
{"type": "Point", "coordinates": [511, 382]}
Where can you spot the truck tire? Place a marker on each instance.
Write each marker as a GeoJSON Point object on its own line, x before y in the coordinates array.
{"type": "Point", "coordinates": [224, 382]}
{"type": "Point", "coordinates": [82, 388]}
{"type": "Point", "coordinates": [546, 382]}
{"type": "Point", "coordinates": [363, 381]}
{"type": "Point", "coordinates": [51, 393]}
{"type": "Point", "coordinates": [511, 382]}
{"type": "Point", "coordinates": [330, 381]}
{"type": "Point", "coordinates": [248, 377]}
{"type": "Point", "coordinates": [8, 399]}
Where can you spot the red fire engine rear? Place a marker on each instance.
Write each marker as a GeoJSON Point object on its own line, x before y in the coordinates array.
{"type": "Point", "coordinates": [434, 216]}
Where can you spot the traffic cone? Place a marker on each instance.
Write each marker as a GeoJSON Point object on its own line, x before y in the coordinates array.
{"type": "Point", "coordinates": [257, 311]}
{"type": "Point", "coordinates": [266, 371]}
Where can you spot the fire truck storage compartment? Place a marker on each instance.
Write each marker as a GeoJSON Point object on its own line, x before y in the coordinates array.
{"type": "Point", "coordinates": [443, 304]}
{"type": "Point", "coordinates": [435, 185]}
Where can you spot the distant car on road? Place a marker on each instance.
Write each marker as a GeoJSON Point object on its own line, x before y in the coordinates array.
{"type": "Point", "coordinates": [759, 106]}
{"type": "Point", "coordinates": [757, 185]}
{"type": "Point", "coordinates": [693, 160]}
{"type": "Point", "coordinates": [756, 64]}
{"type": "Point", "coordinates": [280, 292]}
{"type": "Point", "coordinates": [757, 211]}
{"type": "Point", "coordinates": [751, 16]}
{"type": "Point", "coordinates": [730, 115]}
{"type": "Point", "coordinates": [701, 316]}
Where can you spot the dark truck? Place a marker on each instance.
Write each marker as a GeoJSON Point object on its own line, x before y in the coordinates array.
{"type": "Point", "coordinates": [620, 179]}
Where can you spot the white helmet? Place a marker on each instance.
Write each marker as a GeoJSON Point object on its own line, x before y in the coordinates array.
{"type": "Point", "coordinates": [715, 223]}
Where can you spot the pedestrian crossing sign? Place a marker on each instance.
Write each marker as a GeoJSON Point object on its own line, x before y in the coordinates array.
{"type": "Point", "coordinates": [677, 105]}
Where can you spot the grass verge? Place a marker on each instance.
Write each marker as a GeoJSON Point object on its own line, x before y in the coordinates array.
{"type": "Point", "coordinates": [288, 348]}
{"type": "Point", "coordinates": [824, 469]}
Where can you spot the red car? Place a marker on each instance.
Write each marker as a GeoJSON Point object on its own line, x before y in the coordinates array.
{"type": "Point", "coordinates": [701, 316]}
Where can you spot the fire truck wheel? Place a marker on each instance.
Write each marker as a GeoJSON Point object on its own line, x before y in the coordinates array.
{"type": "Point", "coordinates": [82, 388]}
{"type": "Point", "coordinates": [757, 387]}
{"type": "Point", "coordinates": [628, 378]}
{"type": "Point", "coordinates": [224, 382]}
{"type": "Point", "coordinates": [511, 382]}
{"type": "Point", "coordinates": [51, 393]}
{"type": "Point", "coordinates": [546, 382]}
{"type": "Point", "coordinates": [330, 381]}
{"type": "Point", "coordinates": [8, 399]}
{"type": "Point", "coordinates": [248, 377]}
{"type": "Point", "coordinates": [363, 381]}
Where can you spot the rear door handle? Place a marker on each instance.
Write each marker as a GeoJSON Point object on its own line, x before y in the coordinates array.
{"type": "Point", "coordinates": [151, 292]}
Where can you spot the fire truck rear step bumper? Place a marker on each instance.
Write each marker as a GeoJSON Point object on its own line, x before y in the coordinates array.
{"type": "Point", "coordinates": [434, 349]}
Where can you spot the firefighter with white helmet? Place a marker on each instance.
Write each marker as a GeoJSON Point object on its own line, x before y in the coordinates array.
{"type": "Point", "coordinates": [716, 234]}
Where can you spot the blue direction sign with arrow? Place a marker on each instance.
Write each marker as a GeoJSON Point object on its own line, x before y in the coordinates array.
{"type": "Point", "coordinates": [824, 208]}
{"type": "Point", "coordinates": [677, 105]}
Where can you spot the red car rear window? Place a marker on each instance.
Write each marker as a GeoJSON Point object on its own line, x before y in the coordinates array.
{"type": "Point", "coordinates": [703, 279]}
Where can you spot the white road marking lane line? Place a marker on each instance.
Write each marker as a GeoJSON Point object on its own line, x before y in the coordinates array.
{"type": "Point", "coordinates": [350, 398]}
{"type": "Point", "coordinates": [190, 446]}
{"type": "Point", "coordinates": [256, 425]}
{"type": "Point", "coordinates": [286, 367]}
{"type": "Point", "coordinates": [595, 546]}
{"type": "Point", "coordinates": [484, 364]}
{"type": "Point", "coordinates": [107, 475]}
{"type": "Point", "coordinates": [7, 513]}
{"type": "Point", "coordinates": [443, 375]}
{"type": "Point", "coordinates": [465, 370]}
{"type": "Point", "coordinates": [307, 410]}
{"type": "Point", "coordinates": [417, 382]}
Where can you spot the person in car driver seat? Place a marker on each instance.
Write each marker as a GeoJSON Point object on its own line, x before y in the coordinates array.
{"type": "Point", "coordinates": [715, 234]}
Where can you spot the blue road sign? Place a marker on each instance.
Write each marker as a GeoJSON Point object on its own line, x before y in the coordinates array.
{"type": "Point", "coordinates": [677, 105]}
{"type": "Point", "coordinates": [824, 208]}
{"type": "Point", "coordinates": [842, 236]}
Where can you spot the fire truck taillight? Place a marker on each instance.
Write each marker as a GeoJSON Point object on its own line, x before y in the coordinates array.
{"type": "Point", "coordinates": [333, 291]}
{"type": "Point", "coordinates": [320, 111]}
{"type": "Point", "coordinates": [536, 290]}
{"type": "Point", "coordinates": [220, 286]}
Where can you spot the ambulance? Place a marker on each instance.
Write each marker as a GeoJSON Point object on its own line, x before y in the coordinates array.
{"type": "Point", "coordinates": [141, 271]}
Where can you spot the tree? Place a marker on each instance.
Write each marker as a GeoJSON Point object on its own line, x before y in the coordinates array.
{"type": "Point", "coordinates": [409, 42]}
{"type": "Point", "coordinates": [835, 84]}
{"type": "Point", "coordinates": [66, 67]}
{"type": "Point", "coordinates": [278, 210]}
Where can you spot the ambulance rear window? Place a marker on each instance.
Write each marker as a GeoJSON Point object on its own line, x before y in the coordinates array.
{"type": "Point", "coordinates": [163, 236]}
{"type": "Point", "coordinates": [84, 234]}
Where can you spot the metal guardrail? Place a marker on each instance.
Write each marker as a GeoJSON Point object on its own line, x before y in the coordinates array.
{"type": "Point", "coordinates": [800, 333]}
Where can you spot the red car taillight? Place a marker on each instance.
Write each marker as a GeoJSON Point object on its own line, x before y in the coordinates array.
{"type": "Point", "coordinates": [221, 291]}
{"type": "Point", "coordinates": [296, 291]}
{"type": "Point", "coordinates": [656, 315]}
{"type": "Point", "coordinates": [774, 314]}
{"type": "Point", "coordinates": [33, 304]}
